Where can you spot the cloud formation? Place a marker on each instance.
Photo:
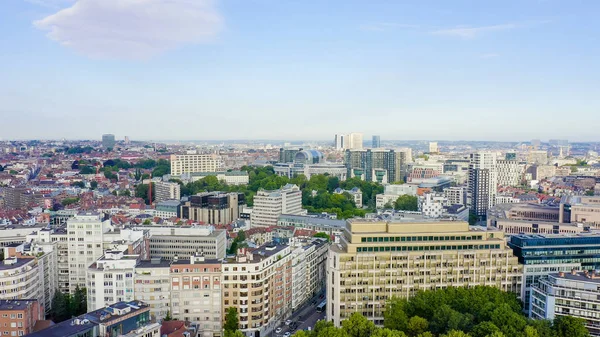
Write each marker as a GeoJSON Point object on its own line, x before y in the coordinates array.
{"type": "Point", "coordinates": [465, 32]}
{"type": "Point", "coordinates": [132, 29]}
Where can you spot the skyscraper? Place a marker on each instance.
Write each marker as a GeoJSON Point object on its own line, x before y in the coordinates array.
{"type": "Point", "coordinates": [339, 141]}
{"type": "Point", "coordinates": [108, 141]}
{"type": "Point", "coordinates": [483, 181]}
{"type": "Point", "coordinates": [355, 141]}
{"type": "Point", "coordinates": [376, 142]}
{"type": "Point", "coordinates": [433, 147]}
{"type": "Point", "coordinates": [380, 165]}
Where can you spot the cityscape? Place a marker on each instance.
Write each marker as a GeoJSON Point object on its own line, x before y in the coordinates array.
{"type": "Point", "coordinates": [217, 168]}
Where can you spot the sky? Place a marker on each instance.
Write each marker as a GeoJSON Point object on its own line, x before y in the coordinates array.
{"type": "Point", "coordinates": [300, 69]}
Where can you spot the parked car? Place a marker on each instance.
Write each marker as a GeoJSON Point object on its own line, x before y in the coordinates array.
{"type": "Point", "coordinates": [287, 334]}
{"type": "Point", "coordinates": [288, 322]}
{"type": "Point", "coordinates": [278, 330]}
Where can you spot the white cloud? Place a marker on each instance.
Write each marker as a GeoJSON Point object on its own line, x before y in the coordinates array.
{"type": "Point", "coordinates": [473, 32]}
{"type": "Point", "coordinates": [132, 28]}
{"type": "Point", "coordinates": [383, 26]}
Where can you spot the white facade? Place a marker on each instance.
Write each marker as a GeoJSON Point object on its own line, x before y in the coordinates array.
{"type": "Point", "coordinates": [433, 147]}
{"type": "Point", "coordinates": [455, 195]}
{"type": "Point", "coordinates": [431, 205]}
{"type": "Point", "coordinates": [299, 278]}
{"type": "Point", "coordinates": [153, 286]}
{"type": "Point", "coordinates": [110, 280]}
{"type": "Point", "coordinates": [230, 178]}
{"type": "Point", "coordinates": [509, 172]}
{"type": "Point", "coordinates": [269, 205]}
{"type": "Point", "coordinates": [167, 191]}
{"type": "Point", "coordinates": [86, 237]}
{"type": "Point", "coordinates": [188, 163]}
{"type": "Point", "coordinates": [355, 141]}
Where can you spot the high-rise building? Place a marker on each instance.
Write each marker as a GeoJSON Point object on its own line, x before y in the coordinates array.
{"type": "Point", "coordinates": [166, 191]}
{"type": "Point", "coordinates": [537, 157]}
{"type": "Point", "coordinates": [535, 143]}
{"type": "Point", "coordinates": [170, 242]}
{"type": "Point", "coordinates": [191, 163]}
{"type": "Point", "coordinates": [376, 142]}
{"type": "Point", "coordinates": [380, 165]}
{"type": "Point", "coordinates": [355, 141]}
{"type": "Point", "coordinates": [509, 172]}
{"type": "Point", "coordinates": [340, 141]}
{"type": "Point", "coordinates": [433, 147]}
{"type": "Point", "coordinates": [269, 205]}
{"type": "Point", "coordinates": [214, 208]}
{"type": "Point", "coordinates": [572, 294]}
{"type": "Point", "coordinates": [483, 183]}
{"type": "Point", "coordinates": [378, 260]}
{"type": "Point", "coordinates": [542, 254]}
{"type": "Point", "coordinates": [110, 279]}
{"type": "Point", "coordinates": [127, 141]}
{"type": "Point", "coordinates": [153, 285]}
{"type": "Point", "coordinates": [108, 141]}
{"type": "Point", "coordinates": [287, 155]}
{"type": "Point", "coordinates": [456, 195]}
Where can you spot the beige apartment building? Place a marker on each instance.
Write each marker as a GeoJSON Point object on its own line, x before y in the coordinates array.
{"type": "Point", "coordinates": [378, 260]}
{"type": "Point", "coordinates": [196, 293]}
{"type": "Point", "coordinates": [190, 163]}
{"type": "Point", "coordinates": [269, 205]}
{"type": "Point", "coordinates": [167, 191]}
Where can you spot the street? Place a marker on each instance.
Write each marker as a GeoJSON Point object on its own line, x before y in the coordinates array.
{"type": "Point", "coordinates": [307, 316]}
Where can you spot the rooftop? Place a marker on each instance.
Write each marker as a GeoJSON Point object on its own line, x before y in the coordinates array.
{"type": "Point", "coordinates": [577, 276]}
{"type": "Point", "coordinates": [15, 304]}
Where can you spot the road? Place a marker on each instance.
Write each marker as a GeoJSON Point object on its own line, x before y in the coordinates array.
{"type": "Point", "coordinates": [306, 317]}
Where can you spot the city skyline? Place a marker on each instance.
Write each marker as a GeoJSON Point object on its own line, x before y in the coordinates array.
{"type": "Point", "coordinates": [194, 70]}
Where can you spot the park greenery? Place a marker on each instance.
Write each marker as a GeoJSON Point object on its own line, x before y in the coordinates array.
{"type": "Point", "coordinates": [323, 199]}
{"type": "Point", "coordinates": [453, 312]}
{"type": "Point", "coordinates": [238, 242]}
{"type": "Point", "coordinates": [66, 306]}
{"type": "Point", "coordinates": [404, 203]}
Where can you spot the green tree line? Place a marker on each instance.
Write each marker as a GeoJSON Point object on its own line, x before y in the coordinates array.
{"type": "Point", "coordinates": [66, 306]}
{"type": "Point", "coordinates": [454, 312]}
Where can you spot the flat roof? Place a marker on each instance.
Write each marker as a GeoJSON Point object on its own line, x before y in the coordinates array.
{"type": "Point", "coordinates": [15, 304]}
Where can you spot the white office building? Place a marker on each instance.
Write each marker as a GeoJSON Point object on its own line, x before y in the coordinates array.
{"type": "Point", "coordinates": [269, 205]}
{"type": "Point", "coordinates": [509, 172]}
{"type": "Point", "coordinates": [167, 191]}
{"type": "Point", "coordinates": [110, 280]}
{"type": "Point", "coordinates": [431, 205]}
{"type": "Point", "coordinates": [483, 182]}
{"type": "Point", "coordinates": [189, 163]}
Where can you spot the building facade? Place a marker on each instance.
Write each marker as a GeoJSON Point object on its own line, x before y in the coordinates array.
{"type": "Point", "coordinates": [153, 285]}
{"type": "Point", "coordinates": [169, 242]}
{"type": "Point", "coordinates": [214, 208]}
{"type": "Point", "coordinates": [378, 260]}
{"type": "Point", "coordinates": [509, 172]}
{"type": "Point", "coordinates": [108, 141]}
{"type": "Point", "coordinates": [269, 205]}
{"type": "Point", "coordinates": [376, 142]}
{"type": "Point", "coordinates": [110, 280]}
{"type": "Point", "coordinates": [379, 165]}
{"type": "Point", "coordinates": [483, 183]}
{"type": "Point", "coordinates": [167, 191]}
{"type": "Point", "coordinates": [190, 163]}
{"type": "Point", "coordinates": [18, 317]}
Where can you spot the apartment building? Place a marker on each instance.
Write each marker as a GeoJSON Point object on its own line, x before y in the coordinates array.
{"type": "Point", "coordinates": [110, 279]}
{"type": "Point", "coordinates": [21, 278]}
{"type": "Point", "coordinates": [377, 260]}
{"type": "Point", "coordinates": [456, 195]}
{"type": "Point", "coordinates": [18, 317]}
{"type": "Point", "coordinates": [229, 177]}
{"type": "Point", "coordinates": [153, 285]}
{"type": "Point", "coordinates": [269, 205]}
{"type": "Point", "coordinates": [333, 227]}
{"type": "Point", "coordinates": [190, 163]}
{"type": "Point", "coordinates": [573, 294]}
{"type": "Point", "coordinates": [259, 284]}
{"type": "Point", "coordinates": [196, 293]}
{"type": "Point", "coordinates": [483, 182]}
{"type": "Point", "coordinates": [379, 165]}
{"type": "Point", "coordinates": [510, 172]}
{"type": "Point", "coordinates": [431, 205]}
{"type": "Point", "coordinates": [214, 208]}
{"type": "Point", "coordinates": [166, 191]}
{"type": "Point", "coordinates": [168, 242]}
{"type": "Point", "coordinates": [543, 254]}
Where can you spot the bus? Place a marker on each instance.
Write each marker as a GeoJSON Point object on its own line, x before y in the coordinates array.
{"type": "Point", "coordinates": [321, 307]}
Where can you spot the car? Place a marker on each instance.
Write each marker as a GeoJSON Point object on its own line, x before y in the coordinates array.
{"type": "Point", "coordinates": [288, 322]}
{"type": "Point", "coordinates": [287, 334]}
{"type": "Point", "coordinates": [278, 330]}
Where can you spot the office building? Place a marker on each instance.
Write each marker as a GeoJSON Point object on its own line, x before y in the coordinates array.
{"type": "Point", "coordinates": [433, 148]}
{"type": "Point", "coordinates": [509, 172]}
{"type": "Point", "coordinates": [376, 261]}
{"type": "Point", "coordinates": [431, 205]}
{"type": "Point", "coordinates": [269, 205]}
{"type": "Point", "coordinates": [510, 156]}
{"type": "Point", "coordinates": [110, 279]}
{"type": "Point", "coordinates": [340, 142]}
{"type": "Point", "coordinates": [332, 227]}
{"type": "Point", "coordinates": [153, 285]}
{"type": "Point", "coordinates": [127, 141]}
{"type": "Point", "coordinates": [197, 294]}
{"type": "Point", "coordinates": [392, 192]}
{"type": "Point", "coordinates": [379, 165]}
{"type": "Point", "coordinates": [573, 294]}
{"type": "Point", "coordinates": [376, 143]}
{"type": "Point", "coordinates": [537, 157]}
{"type": "Point", "coordinates": [214, 208]}
{"type": "Point", "coordinates": [167, 209]}
{"type": "Point", "coordinates": [542, 254]}
{"type": "Point", "coordinates": [308, 157]}
{"type": "Point", "coordinates": [287, 155]}
{"type": "Point", "coordinates": [355, 141]}
{"type": "Point", "coordinates": [108, 141]}
{"type": "Point", "coordinates": [291, 170]}
{"type": "Point", "coordinates": [123, 319]}
{"type": "Point", "coordinates": [456, 195]}
{"type": "Point", "coordinates": [191, 163]}
{"type": "Point", "coordinates": [21, 198]}
{"type": "Point", "coordinates": [166, 191]}
{"type": "Point", "coordinates": [170, 242]}
{"type": "Point", "coordinates": [18, 317]}
{"type": "Point", "coordinates": [483, 181]}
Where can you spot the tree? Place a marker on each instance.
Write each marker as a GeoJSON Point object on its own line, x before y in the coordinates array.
{"type": "Point", "coordinates": [332, 332]}
{"type": "Point", "coordinates": [388, 205]}
{"type": "Point", "coordinates": [508, 321]}
{"type": "Point", "coordinates": [473, 219]}
{"type": "Point", "coordinates": [86, 170]}
{"type": "Point", "coordinates": [60, 307]}
{"type": "Point", "coordinates": [456, 333]}
{"type": "Point", "coordinates": [236, 333]}
{"type": "Point", "coordinates": [394, 316]}
{"type": "Point", "coordinates": [484, 329]}
{"type": "Point", "coordinates": [567, 326]}
{"type": "Point", "coordinates": [425, 334]}
{"type": "Point", "coordinates": [147, 222]}
{"type": "Point", "coordinates": [531, 332]}
{"type": "Point", "coordinates": [322, 325]}
{"type": "Point", "coordinates": [385, 332]}
{"type": "Point", "coordinates": [94, 184]}
{"type": "Point", "coordinates": [407, 203]}
{"type": "Point", "coordinates": [323, 236]}
{"type": "Point", "coordinates": [496, 334]}
{"type": "Point", "coordinates": [168, 316]}
{"type": "Point", "coordinates": [78, 303]}
{"type": "Point", "coordinates": [231, 320]}
{"type": "Point", "coordinates": [79, 184]}
{"type": "Point", "coordinates": [69, 201]}
{"type": "Point", "coordinates": [358, 326]}
{"type": "Point", "coordinates": [416, 325]}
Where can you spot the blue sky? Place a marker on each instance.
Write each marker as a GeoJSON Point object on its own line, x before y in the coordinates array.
{"type": "Point", "coordinates": [289, 70]}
